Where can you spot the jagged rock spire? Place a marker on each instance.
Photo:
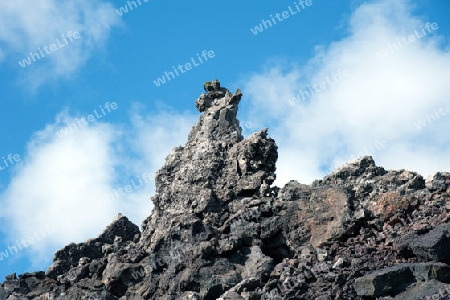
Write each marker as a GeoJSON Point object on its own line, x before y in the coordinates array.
{"type": "Point", "coordinates": [216, 164]}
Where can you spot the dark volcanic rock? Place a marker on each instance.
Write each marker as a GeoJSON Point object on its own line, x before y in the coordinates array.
{"type": "Point", "coordinates": [394, 280]}
{"type": "Point", "coordinates": [216, 165]}
{"type": "Point", "coordinates": [74, 255]}
{"type": "Point", "coordinates": [433, 245]}
{"type": "Point", "coordinates": [439, 181]}
{"type": "Point", "coordinates": [219, 230]}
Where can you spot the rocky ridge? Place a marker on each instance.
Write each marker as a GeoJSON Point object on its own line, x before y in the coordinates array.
{"type": "Point", "coordinates": [220, 231]}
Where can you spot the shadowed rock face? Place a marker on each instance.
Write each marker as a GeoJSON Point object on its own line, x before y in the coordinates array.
{"type": "Point", "coordinates": [220, 231]}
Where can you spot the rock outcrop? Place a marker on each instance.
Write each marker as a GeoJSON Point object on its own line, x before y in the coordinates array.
{"type": "Point", "coordinates": [220, 230]}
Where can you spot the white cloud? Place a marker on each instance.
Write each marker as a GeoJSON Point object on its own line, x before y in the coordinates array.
{"type": "Point", "coordinates": [71, 182]}
{"type": "Point", "coordinates": [58, 185]}
{"type": "Point", "coordinates": [381, 99]}
{"type": "Point", "coordinates": [26, 26]}
{"type": "Point", "coordinates": [162, 131]}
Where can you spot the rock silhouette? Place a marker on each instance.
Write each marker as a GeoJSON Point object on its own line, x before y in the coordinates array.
{"type": "Point", "coordinates": [220, 230]}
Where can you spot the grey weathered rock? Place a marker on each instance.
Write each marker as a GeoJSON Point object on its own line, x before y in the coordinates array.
{"type": "Point", "coordinates": [439, 181]}
{"type": "Point", "coordinates": [216, 165]}
{"type": "Point", "coordinates": [220, 230]}
{"type": "Point", "coordinates": [395, 280]}
{"type": "Point", "coordinates": [70, 256]}
{"type": "Point", "coordinates": [430, 289]}
{"type": "Point", "coordinates": [433, 245]}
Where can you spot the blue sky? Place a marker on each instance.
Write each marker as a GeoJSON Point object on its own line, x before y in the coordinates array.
{"type": "Point", "coordinates": [331, 80]}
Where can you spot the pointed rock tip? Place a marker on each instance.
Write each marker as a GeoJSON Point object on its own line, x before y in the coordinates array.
{"type": "Point", "coordinates": [120, 226]}
{"type": "Point", "coordinates": [216, 96]}
{"type": "Point", "coordinates": [355, 167]}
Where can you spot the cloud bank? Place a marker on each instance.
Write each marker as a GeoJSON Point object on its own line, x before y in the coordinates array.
{"type": "Point", "coordinates": [78, 183]}
{"type": "Point", "coordinates": [380, 102]}
{"type": "Point", "coordinates": [28, 26]}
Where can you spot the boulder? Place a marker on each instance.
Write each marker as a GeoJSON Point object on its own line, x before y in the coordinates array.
{"type": "Point", "coordinates": [432, 245]}
{"type": "Point", "coordinates": [395, 280]}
